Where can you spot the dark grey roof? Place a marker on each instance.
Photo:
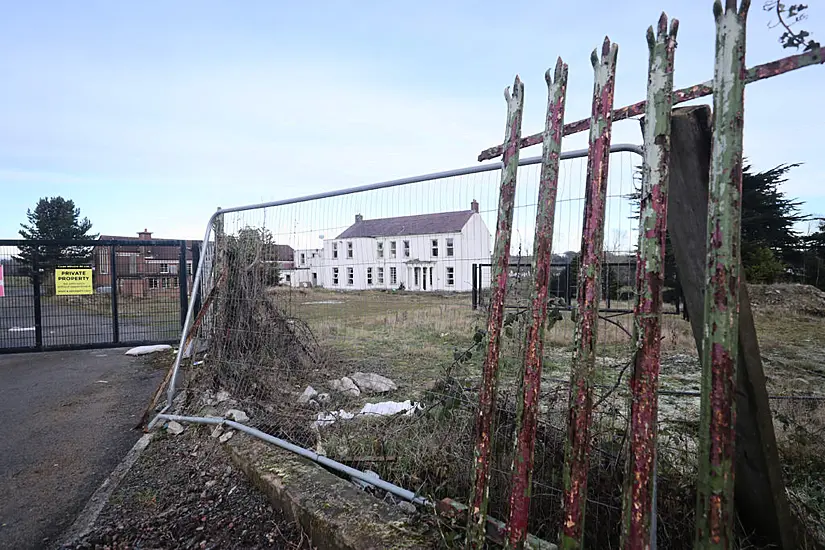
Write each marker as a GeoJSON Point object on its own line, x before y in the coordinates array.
{"type": "Point", "coordinates": [426, 224]}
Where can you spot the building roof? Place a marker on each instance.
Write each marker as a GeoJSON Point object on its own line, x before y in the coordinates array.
{"type": "Point", "coordinates": [152, 252]}
{"type": "Point", "coordinates": [426, 224]}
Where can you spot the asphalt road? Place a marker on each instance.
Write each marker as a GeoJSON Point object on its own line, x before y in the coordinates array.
{"type": "Point", "coordinates": [66, 421]}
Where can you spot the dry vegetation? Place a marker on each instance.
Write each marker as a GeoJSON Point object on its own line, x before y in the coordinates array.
{"type": "Point", "coordinates": [413, 339]}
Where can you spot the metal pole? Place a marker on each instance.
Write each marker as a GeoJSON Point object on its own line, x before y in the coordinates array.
{"type": "Point", "coordinates": [638, 504]}
{"type": "Point", "coordinates": [196, 258]}
{"type": "Point", "coordinates": [577, 445]}
{"type": "Point", "coordinates": [754, 74]}
{"type": "Point", "coordinates": [315, 457]}
{"type": "Point", "coordinates": [475, 287]}
{"type": "Point", "coordinates": [530, 381]}
{"type": "Point", "coordinates": [38, 312]}
{"type": "Point", "coordinates": [717, 431]}
{"type": "Point", "coordinates": [113, 293]}
{"type": "Point", "coordinates": [182, 283]}
{"type": "Point", "coordinates": [477, 516]}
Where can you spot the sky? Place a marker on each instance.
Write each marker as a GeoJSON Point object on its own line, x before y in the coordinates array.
{"type": "Point", "coordinates": [151, 114]}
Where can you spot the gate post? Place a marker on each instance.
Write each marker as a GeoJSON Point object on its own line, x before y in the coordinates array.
{"type": "Point", "coordinates": [38, 313]}
{"type": "Point", "coordinates": [113, 286]}
{"type": "Point", "coordinates": [182, 284]}
{"type": "Point", "coordinates": [475, 287]}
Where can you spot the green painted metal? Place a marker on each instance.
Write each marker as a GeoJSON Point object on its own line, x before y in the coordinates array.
{"type": "Point", "coordinates": [530, 380]}
{"type": "Point", "coordinates": [477, 518]}
{"type": "Point", "coordinates": [717, 434]}
{"type": "Point", "coordinates": [638, 511]}
{"type": "Point", "coordinates": [577, 445]}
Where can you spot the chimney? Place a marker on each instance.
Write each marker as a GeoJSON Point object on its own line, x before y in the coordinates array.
{"type": "Point", "coordinates": [474, 206]}
{"type": "Point", "coordinates": [359, 218]}
{"type": "Point", "coordinates": [145, 235]}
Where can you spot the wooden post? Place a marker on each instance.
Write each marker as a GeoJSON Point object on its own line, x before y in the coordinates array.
{"type": "Point", "coordinates": [759, 489]}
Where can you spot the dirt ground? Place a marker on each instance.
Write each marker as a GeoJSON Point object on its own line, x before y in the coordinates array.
{"type": "Point", "coordinates": [183, 492]}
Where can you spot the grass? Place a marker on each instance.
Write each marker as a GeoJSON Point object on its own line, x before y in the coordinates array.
{"type": "Point", "coordinates": [412, 338]}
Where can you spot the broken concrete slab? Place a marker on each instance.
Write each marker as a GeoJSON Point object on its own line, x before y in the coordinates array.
{"type": "Point", "coordinates": [333, 512]}
{"type": "Point", "coordinates": [369, 382]}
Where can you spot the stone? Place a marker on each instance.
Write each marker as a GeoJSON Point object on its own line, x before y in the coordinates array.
{"type": "Point", "coordinates": [369, 382]}
{"type": "Point", "coordinates": [217, 431]}
{"type": "Point", "coordinates": [226, 437]}
{"type": "Point", "coordinates": [346, 386]}
{"type": "Point", "coordinates": [307, 396]}
{"type": "Point", "coordinates": [222, 396]}
{"type": "Point", "coordinates": [407, 507]}
{"type": "Point", "coordinates": [174, 428]}
{"type": "Point", "coordinates": [237, 415]}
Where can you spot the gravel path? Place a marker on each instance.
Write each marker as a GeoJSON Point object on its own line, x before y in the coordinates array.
{"type": "Point", "coordinates": [183, 492]}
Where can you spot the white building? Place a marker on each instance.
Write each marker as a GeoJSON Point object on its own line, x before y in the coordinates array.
{"type": "Point", "coordinates": [425, 252]}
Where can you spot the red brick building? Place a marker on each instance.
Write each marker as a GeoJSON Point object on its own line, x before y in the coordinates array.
{"type": "Point", "coordinates": [141, 269]}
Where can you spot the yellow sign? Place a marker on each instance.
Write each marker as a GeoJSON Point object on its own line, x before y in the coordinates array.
{"type": "Point", "coordinates": [73, 281]}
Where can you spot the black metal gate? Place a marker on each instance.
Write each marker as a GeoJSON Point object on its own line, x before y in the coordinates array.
{"type": "Point", "coordinates": [59, 295]}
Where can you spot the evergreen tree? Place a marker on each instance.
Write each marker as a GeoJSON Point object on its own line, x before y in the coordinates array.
{"type": "Point", "coordinates": [54, 219]}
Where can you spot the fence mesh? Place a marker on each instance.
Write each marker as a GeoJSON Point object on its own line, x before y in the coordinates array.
{"type": "Point", "coordinates": [345, 325]}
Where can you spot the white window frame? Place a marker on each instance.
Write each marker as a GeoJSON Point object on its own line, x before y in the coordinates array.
{"type": "Point", "coordinates": [154, 283]}
{"type": "Point", "coordinates": [380, 275]}
{"type": "Point", "coordinates": [164, 268]}
{"type": "Point", "coordinates": [369, 276]}
{"type": "Point", "coordinates": [104, 263]}
{"type": "Point", "coordinates": [334, 251]}
{"type": "Point", "coordinates": [335, 276]}
{"type": "Point", "coordinates": [350, 276]}
{"type": "Point", "coordinates": [380, 249]}
{"type": "Point", "coordinates": [434, 247]}
{"type": "Point", "coordinates": [303, 258]}
{"type": "Point", "coordinates": [349, 249]}
{"type": "Point", "coordinates": [450, 247]}
{"type": "Point", "coordinates": [393, 275]}
{"type": "Point", "coordinates": [188, 267]}
{"type": "Point", "coordinates": [450, 276]}
{"type": "Point", "coordinates": [393, 249]}
{"type": "Point", "coordinates": [406, 249]}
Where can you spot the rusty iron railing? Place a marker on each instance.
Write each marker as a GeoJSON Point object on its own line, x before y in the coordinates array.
{"type": "Point", "coordinates": [717, 429]}
{"type": "Point", "coordinates": [577, 446]}
{"type": "Point", "coordinates": [638, 513]}
{"type": "Point", "coordinates": [477, 517]}
{"type": "Point", "coordinates": [530, 380]}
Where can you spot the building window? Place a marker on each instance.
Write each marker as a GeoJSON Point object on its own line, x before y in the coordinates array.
{"type": "Point", "coordinates": [431, 277]}
{"type": "Point", "coordinates": [406, 249]}
{"type": "Point", "coordinates": [380, 249]}
{"type": "Point", "coordinates": [349, 249]}
{"type": "Point", "coordinates": [450, 276]}
{"type": "Point", "coordinates": [303, 258]}
{"type": "Point", "coordinates": [449, 247]}
{"type": "Point", "coordinates": [288, 278]}
{"type": "Point", "coordinates": [392, 249]}
{"type": "Point", "coordinates": [335, 275]}
{"type": "Point", "coordinates": [164, 268]}
{"type": "Point", "coordinates": [393, 276]}
{"type": "Point", "coordinates": [104, 263]}
{"type": "Point", "coordinates": [350, 276]}
{"type": "Point", "coordinates": [416, 275]}
{"type": "Point", "coordinates": [154, 284]}
{"type": "Point", "coordinates": [188, 267]}
{"type": "Point", "coordinates": [380, 275]}
{"type": "Point", "coordinates": [369, 276]}
{"type": "Point", "coordinates": [435, 248]}
{"type": "Point", "coordinates": [169, 282]}
{"type": "Point", "coordinates": [334, 250]}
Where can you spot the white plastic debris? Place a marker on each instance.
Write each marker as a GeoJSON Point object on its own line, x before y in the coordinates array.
{"type": "Point", "coordinates": [384, 408]}
{"type": "Point", "coordinates": [145, 350]}
{"type": "Point", "coordinates": [369, 382]}
{"type": "Point", "coordinates": [216, 433]}
{"type": "Point", "coordinates": [226, 437]}
{"type": "Point", "coordinates": [307, 396]}
{"type": "Point", "coordinates": [237, 415]}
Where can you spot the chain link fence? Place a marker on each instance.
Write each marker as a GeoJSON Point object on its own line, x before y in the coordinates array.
{"type": "Point", "coordinates": [345, 325]}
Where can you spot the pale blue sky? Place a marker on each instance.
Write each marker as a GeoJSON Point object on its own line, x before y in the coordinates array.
{"type": "Point", "coordinates": [151, 114]}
